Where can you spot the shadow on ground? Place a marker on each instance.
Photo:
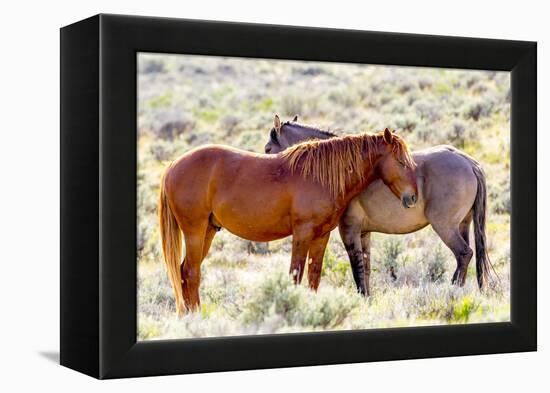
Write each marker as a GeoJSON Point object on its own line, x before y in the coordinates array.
{"type": "Point", "coordinates": [52, 356]}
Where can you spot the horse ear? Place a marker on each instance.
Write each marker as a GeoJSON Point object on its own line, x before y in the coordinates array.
{"type": "Point", "coordinates": [295, 119]}
{"type": "Point", "coordinates": [277, 122]}
{"type": "Point", "coordinates": [388, 136]}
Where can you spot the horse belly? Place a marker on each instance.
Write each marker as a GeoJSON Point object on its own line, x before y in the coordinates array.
{"type": "Point", "coordinates": [252, 233]}
{"type": "Point", "coordinates": [252, 216]}
{"type": "Point", "coordinates": [384, 212]}
{"type": "Point", "coordinates": [258, 230]}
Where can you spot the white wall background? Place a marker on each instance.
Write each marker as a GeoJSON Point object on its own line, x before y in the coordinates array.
{"type": "Point", "coordinates": [29, 194]}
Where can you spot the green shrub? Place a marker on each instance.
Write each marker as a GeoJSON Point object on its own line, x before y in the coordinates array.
{"type": "Point", "coordinates": [425, 83]}
{"type": "Point", "coordinates": [251, 140]}
{"type": "Point", "coordinates": [345, 98]}
{"type": "Point", "coordinates": [161, 101]}
{"type": "Point", "coordinates": [148, 328]}
{"type": "Point", "coordinates": [405, 87]}
{"type": "Point", "coordinates": [428, 110]}
{"type": "Point", "coordinates": [292, 105]}
{"type": "Point", "coordinates": [163, 150]}
{"type": "Point", "coordinates": [442, 88]}
{"type": "Point", "coordinates": [457, 134]}
{"type": "Point", "coordinates": [199, 138]}
{"type": "Point", "coordinates": [436, 264]}
{"type": "Point", "coordinates": [478, 109]}
{"type": "Point", "coordinates": [298, 305]}
{"type": "Point", "coordinates": [463, 309]}
{"type": "Point", "coordinates": [500, 196]}
{"type": "Point", "coordinates": [335, 270]}
{"type": "Point", "coordinates": [172, 129]}
{"type": "Point", "coordinates": [327, 309]}
{"type": "Point", "coordinates": [261, 248]}
{"type": "Point", "coordinates": [151, 66]}
{"type": "Point", "coordinates": [391, 250]}
{"type": "Point", "coordinates": [230, 124]}
{"type": "Point", "coordinates": [277, 295]}
{"type": "Point", "coordinates": [265, 105]}
{"type": "Point", "coordinates": [406, 122]}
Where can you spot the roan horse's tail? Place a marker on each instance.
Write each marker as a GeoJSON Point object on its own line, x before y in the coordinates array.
{"type": "Point", "coordinates": [483, 263]}
{"type": "Point", "coordinates": [170, 234]}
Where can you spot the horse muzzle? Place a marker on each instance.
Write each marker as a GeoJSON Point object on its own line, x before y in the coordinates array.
{"type": "Point", "coordinates": [409, 200]}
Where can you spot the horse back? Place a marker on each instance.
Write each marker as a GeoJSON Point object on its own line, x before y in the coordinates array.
{"type": "Point", "coordinates": [444, 164]}
{"type": "Point", "coordinates": [219, 172]}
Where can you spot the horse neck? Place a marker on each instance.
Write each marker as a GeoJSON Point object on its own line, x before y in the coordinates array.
{"type": "Point", "coordinates": [303, 133]}
{"type": "Point", "coordinates": [356, 184]}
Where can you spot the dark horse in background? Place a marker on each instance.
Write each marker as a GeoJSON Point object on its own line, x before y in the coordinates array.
{"type": "Point", "coordinates": [302, 192]}
{"type": "Point", "coordinates": [451, 194]}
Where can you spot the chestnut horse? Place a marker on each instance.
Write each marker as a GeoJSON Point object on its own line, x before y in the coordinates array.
{"type": "Point", "coordinates": [301, 192]}
{"type": "Point", "coordinates": [452, 194]}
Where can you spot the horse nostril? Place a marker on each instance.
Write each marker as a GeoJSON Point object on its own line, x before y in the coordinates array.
{"type": "Point", "coordinates": [413, 198]}
{"type": "Point", "coordinates": [267, 150]}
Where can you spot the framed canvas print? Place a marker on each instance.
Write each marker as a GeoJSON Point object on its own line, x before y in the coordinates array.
{"type": "Point", "coordinates": [239, 196]}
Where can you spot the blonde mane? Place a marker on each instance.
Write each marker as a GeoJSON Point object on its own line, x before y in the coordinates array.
{"type": "Point", "coordinates": [335, 162]}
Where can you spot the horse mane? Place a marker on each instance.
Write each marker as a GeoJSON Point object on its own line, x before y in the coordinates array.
{"type": "Point", "coordinates": [402, 153]}
{"type": "Point", "coordinates": [336, 161]}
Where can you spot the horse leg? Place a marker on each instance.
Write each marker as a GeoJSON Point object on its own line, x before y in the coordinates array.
{"type": "Point", "coordinates": [464, 228]}
{"type": "Point", "coordinates": [453, 238]}
{"type": "Point", "coordinates": [365, 243]}
{"type": "Point", "coordinates": [316, 254]}
{"type": "Point", "coordinates": [210, 233]}
{"type": "Point", "coordinates": [350, 232]}
{"type": "Point", "coordinates": [300, 246]}
{"type": "Point", "coordinates": [191, 269]}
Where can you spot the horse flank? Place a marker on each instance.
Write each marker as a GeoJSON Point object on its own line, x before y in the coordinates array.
{"type": "Point", "coordinates": [336, 162]}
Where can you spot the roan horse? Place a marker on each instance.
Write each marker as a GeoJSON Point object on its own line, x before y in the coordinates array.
{"type": "Point", "coordinates": [451, 194]}
{"type": "Point", "coordinates": [301, 192]}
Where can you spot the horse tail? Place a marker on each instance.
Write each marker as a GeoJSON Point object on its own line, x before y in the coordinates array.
{"type": "Point", "coordinates": [170, 234]}
{"type": "Point", "coordinates": [483, 263]}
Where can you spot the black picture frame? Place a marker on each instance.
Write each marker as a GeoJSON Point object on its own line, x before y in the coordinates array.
{"type": "Point", "coordinates": [98, 196]}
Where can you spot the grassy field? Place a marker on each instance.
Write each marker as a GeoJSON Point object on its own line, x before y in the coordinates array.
{"type": "Point", "coordinates": [186, 101]}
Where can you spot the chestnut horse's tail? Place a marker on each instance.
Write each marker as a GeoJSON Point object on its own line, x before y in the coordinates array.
{"type": "Point", "coordinates": [483, 263]}
{"type": "Point", "coordinates": [170, 234]}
